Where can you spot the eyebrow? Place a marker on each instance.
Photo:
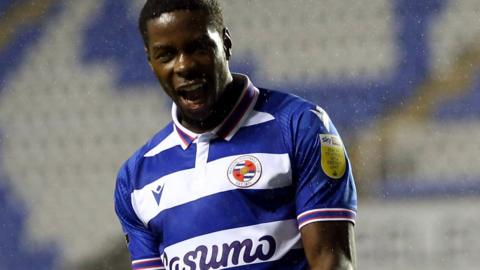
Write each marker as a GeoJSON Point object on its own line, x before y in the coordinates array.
{"type": "Point", "coordinates": [202, 38]}
{"type": "Point", "coordinates": [158, 47]}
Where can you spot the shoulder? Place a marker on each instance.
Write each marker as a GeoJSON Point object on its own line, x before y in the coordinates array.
{"type": "Point", "coordinates": [130, 165]}
{"type": "Point", "coordinates": [283, 104]}
{"type": "Point", "coordinates": [290, 109]}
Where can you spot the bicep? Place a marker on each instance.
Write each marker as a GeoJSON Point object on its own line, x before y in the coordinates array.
{"type": "Point", "coordinates": [329, 244]}
{"type": "Point", "coordinates": [325, 187]}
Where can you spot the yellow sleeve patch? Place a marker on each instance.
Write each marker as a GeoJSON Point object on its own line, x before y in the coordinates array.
{"type": "Point", "coordinates": [332, 156]}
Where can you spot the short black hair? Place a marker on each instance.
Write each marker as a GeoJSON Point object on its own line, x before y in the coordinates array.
{"type": "Point", "coordinates": [154, 8]}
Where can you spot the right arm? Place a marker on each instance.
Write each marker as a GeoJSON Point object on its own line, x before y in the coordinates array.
{"type": "Point", "coordinates": [142, 244]}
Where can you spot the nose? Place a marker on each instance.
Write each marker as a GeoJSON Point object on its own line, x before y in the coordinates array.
{"type": "Point", "coordinates": [184, 65]}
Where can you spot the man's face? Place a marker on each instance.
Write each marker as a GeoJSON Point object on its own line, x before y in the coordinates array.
{"type": "Point", "coordinates": [188, 56]}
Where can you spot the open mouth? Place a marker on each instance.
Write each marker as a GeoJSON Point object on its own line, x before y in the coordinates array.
{"type": "Point", "coordinates": [193, 95]}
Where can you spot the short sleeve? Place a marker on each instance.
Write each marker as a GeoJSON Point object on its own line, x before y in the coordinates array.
{"type": "Point", "coordinates": [325, 187]}
{"type": "Point", "coordinates": [142, 244]}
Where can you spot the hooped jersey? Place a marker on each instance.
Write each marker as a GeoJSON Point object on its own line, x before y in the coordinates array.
{"type": "Point", "coordinates": [235, 197]}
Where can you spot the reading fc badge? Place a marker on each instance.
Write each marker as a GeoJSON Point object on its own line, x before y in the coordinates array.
{"type": "Point", "coordinates": [244, 171]}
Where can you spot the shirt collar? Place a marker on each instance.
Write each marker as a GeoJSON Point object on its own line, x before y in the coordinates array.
{"type": "Point", "coordinates": [230, 125]}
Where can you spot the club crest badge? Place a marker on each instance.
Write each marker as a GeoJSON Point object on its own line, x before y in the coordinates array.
{"type": "Point", "coordinates": [333, 156]}
{"type": "Point", "coordinates": [244, 171]}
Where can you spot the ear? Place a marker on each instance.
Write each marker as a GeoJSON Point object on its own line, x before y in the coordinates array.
{"type": "Point", "coordinates": [227, 43]}
{"type": "Point", "coordinates": [148, 57]}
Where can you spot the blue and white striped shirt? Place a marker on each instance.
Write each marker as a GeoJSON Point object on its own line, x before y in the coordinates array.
{"type": "Point", "coordinates": [235, 197]}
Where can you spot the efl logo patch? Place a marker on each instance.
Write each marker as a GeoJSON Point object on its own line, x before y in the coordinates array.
{"type": "Point", "coordinates": [333, 156]}
{"type": "Point", "coordinates": [244, 171]}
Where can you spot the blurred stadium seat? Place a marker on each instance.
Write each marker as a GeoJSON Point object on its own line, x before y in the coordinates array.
{"type": "Point", "coordinates": [400, 78]}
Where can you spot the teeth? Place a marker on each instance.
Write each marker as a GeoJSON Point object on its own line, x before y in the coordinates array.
{"type": "Point", "coordinates": [192, 93]}
{"type": "Point", "coordinates": [191, 87]}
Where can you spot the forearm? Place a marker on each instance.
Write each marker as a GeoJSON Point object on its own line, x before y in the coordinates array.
{"type": "Point", "coordinates": [329, 246]}
{"type": "Point", "coordinates": [332, 261]}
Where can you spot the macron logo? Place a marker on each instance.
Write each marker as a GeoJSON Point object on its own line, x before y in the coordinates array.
{"type": "Point", "coordinates": [157, 193]}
